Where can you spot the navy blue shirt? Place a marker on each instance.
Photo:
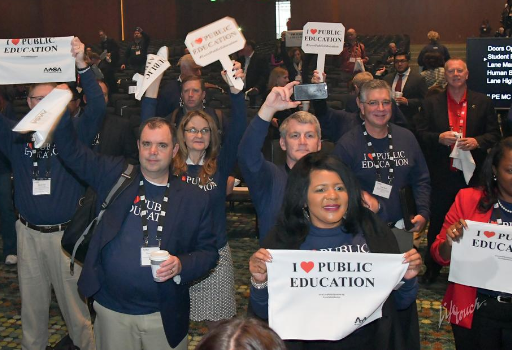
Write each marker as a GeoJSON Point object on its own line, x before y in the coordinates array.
{"type": "Point", "coordinates": [409, 167]}
{"type": "Point", "coordinates": [66, 190]}
{"type": "Point", "coordinates": [129, 288]}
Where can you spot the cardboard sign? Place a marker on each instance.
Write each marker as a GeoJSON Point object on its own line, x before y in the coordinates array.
{"type": "Point", "coordinates": [43, 117]}
{"type": "Point", "coordinates": [215, 42]}
{"type": "Point", "coordinates": [156, 65]}
{"type": "Point", "coordinates": [327, 295]}
{"type": "Point", "coordinates": [36, 60]}
{"type": "Point", "coordinates": [323, 39]}
{"type": "Point", "coordinates": [294, 38]}
{"type": "Point", "coordinates": [483, 257]}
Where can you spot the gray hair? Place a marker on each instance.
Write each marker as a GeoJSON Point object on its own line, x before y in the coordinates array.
{"type": "Point", "coordinates": [303, 118]}
{"type": "Point", "coordinates": [374, 84]}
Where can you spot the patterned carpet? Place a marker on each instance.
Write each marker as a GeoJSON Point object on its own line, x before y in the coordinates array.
{"type": "Point", "coordinates": [243, 242]}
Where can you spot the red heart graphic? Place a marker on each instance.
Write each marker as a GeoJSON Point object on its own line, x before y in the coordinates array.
{"type": "Point", "coordinates": [199, 40]}
{"type": "Point", "coordinates": [184, 178]}
{"type": "Point", "coordinates": [489, 234]}
{"type": "Point", "coordinates": [137, 200]}
{"type": "Point", "coordinates": [29, 145]}
{"type": "Point", "coordinates": [15, 41]}
{"type": "Point", "coordinates": [370, 156]}
{"type": "Point", "coordinates": [307, 266]}
{"type": "Point", "coordinates": [313, 31]}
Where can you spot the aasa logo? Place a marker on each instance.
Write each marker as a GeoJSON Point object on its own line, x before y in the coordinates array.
{"type": "Point", "coordinates": [360, 321]}
{"type": "Point", "coordinates": [52, 70]}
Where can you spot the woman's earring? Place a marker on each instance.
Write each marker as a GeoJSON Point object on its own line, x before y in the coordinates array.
{"type": "Point", "coordinates": [181, 102]}
{"type": "Point", "coordinates": [204, 103]}
{"type": "Point", "coordinates": [494, 177]}
{"type": "Point", "coordinates": [305, 211]}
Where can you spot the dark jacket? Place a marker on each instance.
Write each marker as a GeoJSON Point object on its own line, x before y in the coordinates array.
{"type": "Point", "coordinates": [188, 230]}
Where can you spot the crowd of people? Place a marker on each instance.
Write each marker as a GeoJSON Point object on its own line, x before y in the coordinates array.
{"type": "Point", "coordinates": [340, 188]}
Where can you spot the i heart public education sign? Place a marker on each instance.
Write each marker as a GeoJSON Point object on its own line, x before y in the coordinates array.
{"type": "Point", "coordinates": [36, 60]}
{"type": "Point", "coordinates": [215, 42]}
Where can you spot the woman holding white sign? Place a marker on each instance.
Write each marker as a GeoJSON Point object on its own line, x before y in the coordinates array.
{"type": "Point", "coordinates": [480, 318]}
{"type": "Point", "coordinates": [323, 210]}
{"type": "Point", "coordinates": [201, 161]}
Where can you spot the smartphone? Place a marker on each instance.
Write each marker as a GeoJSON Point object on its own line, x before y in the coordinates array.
{"type": "Point", "coordinates": [306, 92]}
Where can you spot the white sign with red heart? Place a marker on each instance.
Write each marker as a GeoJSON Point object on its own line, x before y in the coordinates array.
{"type": "Point", "coordinates": [36, 60]}
{"type": "Point", "coordinates": [482, 258]}
{"type": "Point", "coordinates": [215, 42]}
{"type": "Point", "coordinates": [327, 295]}
{"type": "Point", "coordinates": [323, 39]}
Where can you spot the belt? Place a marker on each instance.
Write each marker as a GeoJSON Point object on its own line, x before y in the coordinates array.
{"type": "Point", "coordinates": [499, 298]}
{"type": "Point", "coordinates": [44, 228]}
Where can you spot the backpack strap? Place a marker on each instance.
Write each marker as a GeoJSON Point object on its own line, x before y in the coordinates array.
{"type": "Point", "coordinates": [124, 180]}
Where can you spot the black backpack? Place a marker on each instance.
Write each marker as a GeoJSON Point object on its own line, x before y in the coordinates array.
{"type": "Point", "coordinates": [80, 230]}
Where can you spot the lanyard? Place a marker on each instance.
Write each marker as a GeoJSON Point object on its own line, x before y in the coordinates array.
{"type": "Point", "coordinates": [35, 161]}
{"type": "Point", "coordinates": [144, 212]}
{"type": "Point", "coordinates": [391, 174]}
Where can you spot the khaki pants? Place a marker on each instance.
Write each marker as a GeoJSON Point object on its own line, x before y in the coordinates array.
{"type": "Point", "coordinates": [118, 331]}
{"type": "Point", "coordinates": [41, 265]}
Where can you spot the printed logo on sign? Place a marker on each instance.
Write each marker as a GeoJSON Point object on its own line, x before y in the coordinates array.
{"type": "Point", "coordinates": [360, 321]}
{"type": "Point", "coordinates": [52, 70]}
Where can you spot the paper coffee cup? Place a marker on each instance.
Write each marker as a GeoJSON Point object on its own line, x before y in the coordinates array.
{"type": "Point", "coordinates": [398, 94]}
{"type": "Point", "coordinates": [157, 258]}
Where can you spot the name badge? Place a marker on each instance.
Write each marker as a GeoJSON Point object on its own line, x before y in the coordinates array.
{"type": "Point", "coordinates": [382, 190]}
{"type": "Point", "coordinates": [137, 52]}
{"type": "Point", "coordinates": [41, 186]}
{"type": "Point", "coordinates": [145, 253]}
{"type": "Point", "coordinates": [352, 59]}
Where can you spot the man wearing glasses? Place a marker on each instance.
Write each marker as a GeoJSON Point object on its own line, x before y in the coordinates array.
{"type": "Point", "coordinates": [408, 87]}
{"type": "Point", "coordinates": [387, 158]}
{"type": "Point", "coordinates": [46, 196]}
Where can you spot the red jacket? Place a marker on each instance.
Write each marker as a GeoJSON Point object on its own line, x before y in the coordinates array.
{"type": "Point", "coordinates": [458, 297]}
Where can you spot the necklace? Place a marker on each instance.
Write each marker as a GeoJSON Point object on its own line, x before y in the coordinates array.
{"type": "Point", "coordinates": [503, 207]}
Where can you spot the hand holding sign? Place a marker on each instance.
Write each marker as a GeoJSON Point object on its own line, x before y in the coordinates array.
{"type": "Point", "coordinates": [215, 42]}
{"type": "Point", "coordinates": [45, 115]}
{"type": "Point", "coordinates": [323, 39]}
{"type": "Point", "coordinates": [237, 72]}
{"type": "Point", "coordinates": [155, 67]}
{"type": "Point", "coordinates": [78, 52]}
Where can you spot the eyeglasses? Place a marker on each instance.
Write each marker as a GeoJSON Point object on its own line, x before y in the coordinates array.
{"type": "Point", "coordinates": [195, 131]}
{"type": "Point", "coordinates": [375, 103]}
{"type": "Point", "coordinates": [37, 98]}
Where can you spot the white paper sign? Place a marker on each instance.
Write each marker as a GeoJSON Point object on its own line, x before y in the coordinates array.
{"type": "Point", "coordinates": [36, 60]}
{"type": "Point", "coordinates": [294, 38]}
{"type": "Point", "coordinates": [156, 65]}
{"type": "Point", "coordinates": [45, 115]}
{"type": "Point", "coordinates": [215, 42]}
{"type": "Point", "coordinates": [483, 257]}
{"type": "Point", "coordinates": [316, 295]}
{"type": "Point", "coordinates": [323, 39]}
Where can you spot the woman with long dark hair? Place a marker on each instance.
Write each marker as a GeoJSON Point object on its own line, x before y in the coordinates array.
{"type": "Point", "coordinates": [490, 325]}
{"type": "Point", "coordinates": [323, 209]}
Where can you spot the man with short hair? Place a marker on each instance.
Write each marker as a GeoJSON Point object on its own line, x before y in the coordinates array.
{"type": "Point", "coordinates": [136, 54]}
{"type": "Point", "coordinates": [409, 87]}
{"type": "Point", "coordinates": [300, 135]}
{"type": "Point", "coordinates": [46, 195]}
{"type": "Point", "coordinates": [457, 116]}
{"type": "Point", "coordinates": [353, 51]}
{"type": "Point", "coordinates": [109, 60]}
{"type": "Point", "coordinates": [255, 67]}
{"type": "Point", "coordinates": [155, 211]}
{"type": "Point", "coordinates": [169, 95]}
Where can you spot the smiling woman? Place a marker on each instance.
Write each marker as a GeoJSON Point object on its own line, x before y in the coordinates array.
{"type": "Point", "coordinates": [323, 210]}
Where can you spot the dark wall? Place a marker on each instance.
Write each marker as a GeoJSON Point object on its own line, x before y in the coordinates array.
{"type": "Point", "coordinates": [455, 20]}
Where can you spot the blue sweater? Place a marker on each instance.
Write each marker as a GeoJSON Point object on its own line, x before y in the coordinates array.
{"type": "Point", "coordinates": [266, 181]}
{"type": "Point", "coordinates": [410, 168]}
{"type": "Point", "coordinates": [216, 186]}
{"type": "Point", "coordinates": [66, 190]}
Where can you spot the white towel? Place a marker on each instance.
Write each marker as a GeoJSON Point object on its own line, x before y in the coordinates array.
{"type": "Point", "coordinates": [463, 160]}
